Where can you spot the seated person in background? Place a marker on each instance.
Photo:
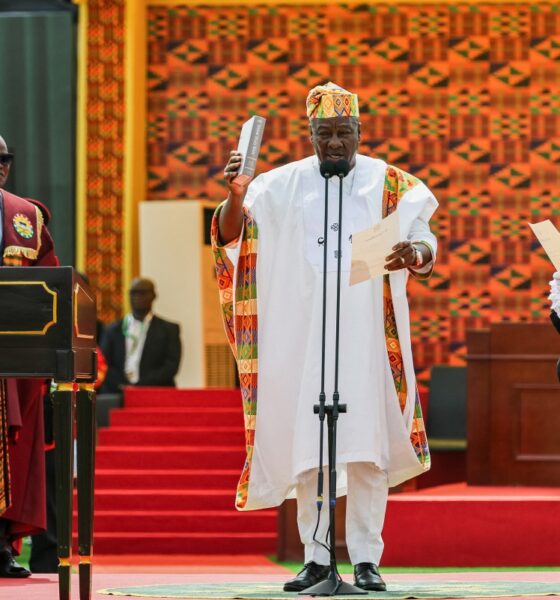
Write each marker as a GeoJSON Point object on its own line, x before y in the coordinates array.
{"type": "Point", "coordinates": [141, 349]}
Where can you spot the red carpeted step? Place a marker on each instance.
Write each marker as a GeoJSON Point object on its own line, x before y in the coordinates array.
{"type": "Point", "coordinates": [179, 417]}
{"type": "Point", "coordinates": [154, 500]}
{"type": "Point", "coordinates": [185, 479]}
{"type": "Point", "coordinates": [184, 521]}
{"type": "Point", "coordinates": [172, 397]}
{"type": "Point", "coordinates": [170, 457]}
{"type": "Point", "coordinates": [119, 542]}
{"type": "Point", "coordinates": [171, 436]}
{"type": "Point", "coordinates": [166, 475]}
{"type": "Point", "coordinates": [472, 529]}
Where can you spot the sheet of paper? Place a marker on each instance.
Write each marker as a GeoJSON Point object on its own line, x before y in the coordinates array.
{"type": "Point", "coordinates": [549, 237]}
{"type": "Point", "coordinates": [370, 248]}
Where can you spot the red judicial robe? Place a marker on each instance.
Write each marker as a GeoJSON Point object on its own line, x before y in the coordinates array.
{"type": "Point", "coordinates": [26, 242]}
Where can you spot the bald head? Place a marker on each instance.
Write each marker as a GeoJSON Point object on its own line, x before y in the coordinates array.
{"type": "Point", "coordinates": [5, 162]}
{"type": "Point", "coordinates": [142, 295]}
{"type": "Point", "coordinates": [142, 283]}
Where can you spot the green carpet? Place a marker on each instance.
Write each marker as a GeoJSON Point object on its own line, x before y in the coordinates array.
{"type": "Point", "coordinates": [267, 591]}
{"type": "Point", "coordinates": [345, 568]}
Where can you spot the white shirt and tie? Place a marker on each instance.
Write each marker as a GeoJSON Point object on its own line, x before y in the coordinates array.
{"type": "Point", "coordinates": [135, 333]}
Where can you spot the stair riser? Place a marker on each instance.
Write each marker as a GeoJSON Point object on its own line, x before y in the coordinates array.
{"type": "Point", "coordinates": [123, 418]}
{"type": "Point", "coordinates": [167, 544]}
{"type": "Point", "coordinates": [110, 437]}
{"type": "Point", "coordinates": [201, 459]}
{"type": "Point", "coordinates": [158, 523]}
{"type": "Point", "coordinates": [172, 401]}
{"type": "Point", "coordinates": [204, 481]}
{"type": "Point", "coordinates": [158, 502]}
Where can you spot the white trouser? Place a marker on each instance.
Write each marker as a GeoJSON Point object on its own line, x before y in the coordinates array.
{"type": "Point", "coordinates": [365, 512]}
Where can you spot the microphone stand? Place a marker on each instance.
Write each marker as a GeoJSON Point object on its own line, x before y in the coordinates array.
{"type": "Point", "coordinates": [333, 585]}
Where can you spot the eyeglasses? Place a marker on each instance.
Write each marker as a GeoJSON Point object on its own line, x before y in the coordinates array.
{"type": "Point", "coordinates": [6, 158]}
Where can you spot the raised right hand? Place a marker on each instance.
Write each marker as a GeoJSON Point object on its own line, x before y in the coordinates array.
{"type": "Point", "coordinates": [230, 222]}
{"type": "Point", "coordinates": [237, 185]}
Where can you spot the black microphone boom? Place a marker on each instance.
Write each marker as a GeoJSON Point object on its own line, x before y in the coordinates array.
{"type": "Point", "coordinates": [333, 585]}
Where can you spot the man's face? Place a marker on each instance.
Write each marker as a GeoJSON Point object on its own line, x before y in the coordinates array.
{"type": "Point", "coordinates": [142, 295]}
{"type": "Point", "coordinates": [5, 162]}
{"type": "Point", "coordinates": [336, 138]}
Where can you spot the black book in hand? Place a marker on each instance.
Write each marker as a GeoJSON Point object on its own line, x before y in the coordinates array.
{"type": "Point", "coordinates": [250, 144]}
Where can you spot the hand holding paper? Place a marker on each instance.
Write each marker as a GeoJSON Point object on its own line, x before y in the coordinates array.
{"type": "Point", "coordinates": [370, 248]}
{"type": "Point", "coordinates": [549, 237]}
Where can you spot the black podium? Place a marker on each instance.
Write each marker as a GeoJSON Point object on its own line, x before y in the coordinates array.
{"type": "Point", "coordinates": [48, 331]}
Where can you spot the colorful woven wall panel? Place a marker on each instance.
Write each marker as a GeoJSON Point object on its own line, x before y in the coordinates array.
{"type": "Point", "coordinates": [466, 97]}
{"type": "Point", "coordinates": [105, 157]}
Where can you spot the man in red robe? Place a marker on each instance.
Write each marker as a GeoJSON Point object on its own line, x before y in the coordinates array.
{"type": "Point", "coordinates": [24, 241]}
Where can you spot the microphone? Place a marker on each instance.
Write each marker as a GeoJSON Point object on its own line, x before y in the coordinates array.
{"type": "Point", "coordinates": [331, 168]}
{"type": "Point", "coordinates": [328, 168]}
{"type": "Point", "coordinates": [341, 168]}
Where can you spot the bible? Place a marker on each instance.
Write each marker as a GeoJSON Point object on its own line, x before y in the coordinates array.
{"type": "Point", "coordinates": [250, 144]}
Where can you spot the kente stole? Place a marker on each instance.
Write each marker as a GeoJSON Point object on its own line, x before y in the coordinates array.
{"type": "Point", "coordinates": [397, 183]}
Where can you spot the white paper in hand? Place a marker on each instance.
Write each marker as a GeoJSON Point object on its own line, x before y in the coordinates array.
{"type": "Point", "coordinates": [549, 237]}
{"type": "Point", "coordinates": [371, 247]}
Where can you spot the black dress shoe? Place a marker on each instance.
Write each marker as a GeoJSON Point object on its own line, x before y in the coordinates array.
{"type": "Point", "coordinates": [367, 577]}
{"type": "Point", "coordinates": [9, 567]}
{"type": "Point", "coordinates": [311, 574]}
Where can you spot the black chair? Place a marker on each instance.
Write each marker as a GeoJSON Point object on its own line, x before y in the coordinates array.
{"type": "Point", "coordinates": [447, 409]}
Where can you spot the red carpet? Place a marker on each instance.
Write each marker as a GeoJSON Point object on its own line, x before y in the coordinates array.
{"type": "Point", "coordinates": [166, 473]}
{"type": "Point", "coordinates": [459, 525]}
{"type": "Point", "coordinates": [45, 587]}
{"type": "Point", "coordinates": [168, 465]}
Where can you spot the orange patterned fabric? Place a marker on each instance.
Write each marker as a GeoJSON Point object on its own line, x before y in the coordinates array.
{"type": "Point", "coordinates": [330, 100]}
{"type": "Point", "coordinates": [241, 326]}
{"type": "Point", "coordinates": [105, 159]}
{"type": "Point", "coordinates": [397, 183]}
{"type": "Point", "coordinates": [463, 96]}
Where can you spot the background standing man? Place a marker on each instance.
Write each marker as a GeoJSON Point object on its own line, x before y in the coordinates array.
{"type": "Point", "coordinates": [269, 258]}
{"type": "Point", "coordinates": [141, 348]}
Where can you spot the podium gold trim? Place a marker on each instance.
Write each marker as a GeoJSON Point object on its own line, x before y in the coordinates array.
{"type": "Point", "coordinates": [82, 336]}
{"type": "Point", "coordinates": [54, 313]}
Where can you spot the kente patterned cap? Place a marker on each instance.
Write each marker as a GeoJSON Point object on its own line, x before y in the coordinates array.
{"type": "Point", "coordinates": [330, 100]}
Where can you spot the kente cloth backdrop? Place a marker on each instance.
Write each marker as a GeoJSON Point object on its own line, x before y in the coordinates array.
{"type": "Point", "coordinates": [464, 96]}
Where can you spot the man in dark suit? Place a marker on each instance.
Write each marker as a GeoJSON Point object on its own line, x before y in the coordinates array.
{"type": "Point", "coordinates": [141, 348]}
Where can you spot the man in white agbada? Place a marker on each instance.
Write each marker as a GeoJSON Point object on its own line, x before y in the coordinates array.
{"type": "Point", "coordinates": [268, 244]}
